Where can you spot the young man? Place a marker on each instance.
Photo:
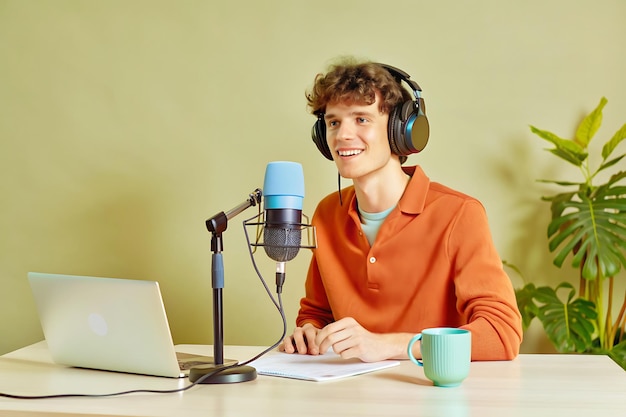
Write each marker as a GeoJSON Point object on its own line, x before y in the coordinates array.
{"type": "Point", "coordinates": [396, 253]}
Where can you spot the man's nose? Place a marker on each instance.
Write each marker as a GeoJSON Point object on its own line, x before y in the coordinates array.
{"type": "Point", "coordinates": [346, 130]}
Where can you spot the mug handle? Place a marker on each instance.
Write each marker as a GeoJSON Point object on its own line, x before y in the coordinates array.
{"type": "Point", "coordinates": [410, 349]}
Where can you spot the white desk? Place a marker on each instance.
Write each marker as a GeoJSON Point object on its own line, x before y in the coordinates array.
{"type": "Point", "coordinates": [529, 386]}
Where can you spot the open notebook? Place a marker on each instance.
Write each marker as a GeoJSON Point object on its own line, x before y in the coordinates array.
{"type": "Point", "coordinates": [109, 324]}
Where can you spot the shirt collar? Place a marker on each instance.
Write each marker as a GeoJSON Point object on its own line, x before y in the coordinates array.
{"type": "Point", "coordinates": [414, 198]}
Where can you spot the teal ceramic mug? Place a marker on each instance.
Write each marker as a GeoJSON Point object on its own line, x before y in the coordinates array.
{"type": "Point", "coordinates": [446, 354]}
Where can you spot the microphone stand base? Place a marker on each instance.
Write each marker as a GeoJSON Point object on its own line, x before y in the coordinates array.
{"type": "Point", "coordinates": [230, 374]}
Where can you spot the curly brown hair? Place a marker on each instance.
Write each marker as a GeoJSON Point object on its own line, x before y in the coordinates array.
{"type": "Point", "coordinates": [353, 82]}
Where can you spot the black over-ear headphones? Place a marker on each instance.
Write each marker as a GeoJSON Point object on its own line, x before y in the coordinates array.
{"type": "Point", "coordinates": [408, 128]}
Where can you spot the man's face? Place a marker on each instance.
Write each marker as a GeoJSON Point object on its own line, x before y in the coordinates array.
{"type": "Point", "coordinates": [357, 137]}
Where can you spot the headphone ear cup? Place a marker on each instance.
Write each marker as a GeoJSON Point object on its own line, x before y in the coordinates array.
{"type": "Point", "coordinates": [394, 129]}
{"type": "Point", "coordinates": [408, 129]}
{"type": "Point", "coordinates": [417, 131]}
{"type": "Point", "coordinates": [318, 134]}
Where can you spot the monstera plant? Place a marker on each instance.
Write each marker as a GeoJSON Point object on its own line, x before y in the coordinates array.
{"type": "Point", "coordinates": [588, 226]}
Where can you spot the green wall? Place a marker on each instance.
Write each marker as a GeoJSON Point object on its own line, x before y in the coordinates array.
{"type": "Point", "coordinates": [124, 124]}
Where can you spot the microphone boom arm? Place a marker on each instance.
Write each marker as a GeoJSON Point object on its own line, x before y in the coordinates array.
{"type": "Point", "coordinates": [219, 222]}
{"type": "Point", "coordinates": [254, 198]}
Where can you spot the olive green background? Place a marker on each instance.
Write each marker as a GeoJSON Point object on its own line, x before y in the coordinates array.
{"type": "Point", "coordinates": [125, 124]}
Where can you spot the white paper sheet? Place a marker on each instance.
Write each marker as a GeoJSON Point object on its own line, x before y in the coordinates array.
{"type": "Point", "coordinates": [319, 368]}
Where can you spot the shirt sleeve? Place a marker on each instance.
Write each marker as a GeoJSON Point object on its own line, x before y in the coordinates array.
{"type": "Point", "coordinates": [484, 293]}
{"type": "Point", "coordinates": [314, 307]}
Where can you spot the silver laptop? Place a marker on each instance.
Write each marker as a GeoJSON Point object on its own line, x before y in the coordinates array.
{"type": "Point", "coordinates": [109, 324]}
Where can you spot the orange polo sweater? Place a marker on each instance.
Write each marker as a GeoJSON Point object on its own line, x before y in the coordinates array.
{"type": "Point", "coordinates": [433, 264]}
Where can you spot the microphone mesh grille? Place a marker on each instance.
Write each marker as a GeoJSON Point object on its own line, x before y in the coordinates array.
{"type": "Point", "coordinates": [282, 244]}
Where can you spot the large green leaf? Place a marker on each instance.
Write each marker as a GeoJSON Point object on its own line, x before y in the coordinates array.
{"type": "Point", "coordinates": [557, 200]}
{"type": "Point", "coordinates": [593, 230]}
{"type": "Point", "coordinates": [615, 178]}
{"type": "Point", "coordinates": [608, 147]}
{"type": "Point", "coordinates": [610, 163]}
{"type": "Point", "coordinates": [618, 354]}
{"type": "Point", "coordinates": [565, 149]}
{"type": "Point", "coordinates": [569, 325]}
{"type": "Point", "coordinates": [590, 124]}
{"type": "Point", "coordinates": [525, 303]}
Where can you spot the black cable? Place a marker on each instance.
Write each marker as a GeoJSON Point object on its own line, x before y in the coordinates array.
{"type": "Point", "coordinates": [199, 381]}
{"type": "Point", "coordinates": [279, 306]}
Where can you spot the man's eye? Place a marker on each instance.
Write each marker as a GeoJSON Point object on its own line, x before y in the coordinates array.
{"type": "Point", "coordinates": [361, 120]}
{"type": "Point", "coordinates": [332, 123]}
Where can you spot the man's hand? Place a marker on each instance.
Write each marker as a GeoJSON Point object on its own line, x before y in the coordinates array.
{"type": "Point", "coordinates": [351, 340]}
{"type": "Point", "coordinates": [302, 341]}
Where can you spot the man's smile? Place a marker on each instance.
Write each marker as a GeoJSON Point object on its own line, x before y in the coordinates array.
{"type": "Point", "coordinates": [349, 152]}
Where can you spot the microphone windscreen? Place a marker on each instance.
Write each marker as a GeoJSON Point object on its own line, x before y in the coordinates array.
{"type": "Point", "coordinates": [283, 186]}
{"type": "Point", "coordinates": [282, 243]}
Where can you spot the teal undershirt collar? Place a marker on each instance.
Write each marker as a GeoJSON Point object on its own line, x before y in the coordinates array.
{"type": "Point", "coordinates": [371, 222]}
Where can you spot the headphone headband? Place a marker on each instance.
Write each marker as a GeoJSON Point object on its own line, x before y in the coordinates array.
{"type": "Point", "coordinates": [400, 76]}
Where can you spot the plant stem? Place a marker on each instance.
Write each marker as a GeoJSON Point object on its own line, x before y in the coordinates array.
{"type": "Point", "coordinates": [620, 323]}
{"type": "Point", "coordinates": [599, 301]}
{"type": "Point", "coordinates": [608, 328]}
{"type": "Point", "coordinates": [582, 284]}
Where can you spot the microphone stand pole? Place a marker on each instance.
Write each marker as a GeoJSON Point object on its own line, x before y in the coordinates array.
{"type": "Point", "coordinates": [231, 374]}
